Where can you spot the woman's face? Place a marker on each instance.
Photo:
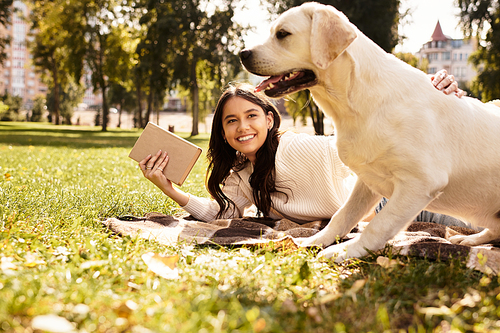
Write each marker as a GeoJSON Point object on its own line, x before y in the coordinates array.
{"type": "Point", "coordinates": [245, 126]}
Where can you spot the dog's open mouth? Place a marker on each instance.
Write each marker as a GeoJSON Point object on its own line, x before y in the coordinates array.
{"type": "Point", "coordinates": [280, 85]}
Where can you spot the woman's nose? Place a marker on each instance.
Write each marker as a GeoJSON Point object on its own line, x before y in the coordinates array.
{"type": "Point", "coordinates": [243, 125]}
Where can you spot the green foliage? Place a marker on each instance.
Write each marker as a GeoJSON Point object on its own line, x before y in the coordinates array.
{"type": "Point", "coordinates": [14, 104]}
{"type": "Point", "coordinates": [69, 97]}
{"type": "Point", "coordinates": [58, 182]}
{"type": "Point", "coordinates": [5, 12]}
{"type": "Point", "coordinates": [476, 16]}
{"type": "Point", "coordinates": [39, 109]}
{"type": "Point", "coordinates": [300, 105]}
{"type": "Point", "coordinates": [376, 19]}
{"type": "Point", "coordinates": [189, 46]}
{"type": "Point", "coordinates": [3, 109]}
{"type": "Point", "coordinates": [412, 60]}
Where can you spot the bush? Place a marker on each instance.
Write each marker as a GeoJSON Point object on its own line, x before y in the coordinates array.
{"type": "Point", "coordinates": [39, 109]}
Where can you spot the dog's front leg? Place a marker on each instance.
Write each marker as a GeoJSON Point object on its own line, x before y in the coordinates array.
{"type": "Point", "coordinates": [360, 202]}
{"type": "Point", "coordinates": [401, 209]}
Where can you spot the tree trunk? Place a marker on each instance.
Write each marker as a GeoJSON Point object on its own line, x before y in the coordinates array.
{"type": "Point", "coordinates": [120, 107]}
{"type": "Point", "coordinates": [139, 104]}
{"type": "Point", "coordinates": [150, 102]}
{"type": "Point", "coordinates": [105, 109]}
{"type": "Point", "coordinates": [316, 115]}
{"type": "Point", "coordinates": [195, 98]}
{"type": "Point", "coordinates": [56, 94]}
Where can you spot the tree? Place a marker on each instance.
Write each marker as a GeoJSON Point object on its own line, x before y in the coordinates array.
{"type": "Point", "coordinates": [69, 96]}
{"type": "Point", "coordinates": [39, 109]}
{"type": "Point", "coordinates": [202, 38]}
{"type": "Point", "coordinates": [5, 12]}
{"type": "Point", "coordinates": [49, 48]}
{"type": "Point", "coordinates": [123, 97]}
{"type": "Point", "coordinates": [301, 105]}
{"type": "Point", "coordinates": [413, 60]}
{"type": "Point", "coordinates": [477, 17]}
{"type": "Point", "coordinates": [13, 104]}
{"type": "Point", "coordinates": [378, 20]}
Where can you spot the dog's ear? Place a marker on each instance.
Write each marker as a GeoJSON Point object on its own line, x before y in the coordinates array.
{"type": "Point", "coordinates": [331, 34]}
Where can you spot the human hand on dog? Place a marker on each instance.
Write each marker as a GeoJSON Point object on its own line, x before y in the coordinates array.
{"type": "Point", "coordinates": [442, 81]}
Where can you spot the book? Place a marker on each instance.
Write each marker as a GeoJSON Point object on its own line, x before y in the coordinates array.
{"type": "Point", "coordinates": [182, 153]}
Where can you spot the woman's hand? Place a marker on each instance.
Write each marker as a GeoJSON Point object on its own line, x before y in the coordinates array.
{"type": "Point", "coordinates": [152, 168]}
{"type": "Point", "coordinates": [442, 81]}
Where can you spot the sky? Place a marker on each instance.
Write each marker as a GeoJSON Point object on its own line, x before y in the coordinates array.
{"type": "Point", "coordinates": [423, 19]}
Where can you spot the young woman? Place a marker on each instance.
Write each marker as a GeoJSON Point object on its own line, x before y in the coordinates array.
{"type": "Point", "coordinates": [253, 165]}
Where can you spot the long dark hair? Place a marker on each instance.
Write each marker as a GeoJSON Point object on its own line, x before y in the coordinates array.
{"type": "Point", "coordinates": [222, 157]}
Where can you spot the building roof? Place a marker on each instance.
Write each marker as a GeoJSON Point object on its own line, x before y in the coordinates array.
{"type": "Point", "coordinates": [438, 34]}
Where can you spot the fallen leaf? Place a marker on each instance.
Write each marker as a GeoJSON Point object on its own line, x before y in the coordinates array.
{"type": "Point", "coordinates": [6, 264]}
{"type": "Point", "coordinates": [125, 309]}
{"type": "Point", "coordinates": [52, 323]}
{"type": "Point", "coordinates": [164, 266]}
{"type": "Point", "coordinates": [329, 298]}
{"type": "Point", "coordinates": [386, 262]}
{"type": "Point", "coordinates": [356, 286]}
{"type": "Point", "coordinates": [32, 260]}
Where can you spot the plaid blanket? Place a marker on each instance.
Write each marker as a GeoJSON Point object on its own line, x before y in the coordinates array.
{"type": "Point", "coordinates": [421, 239]}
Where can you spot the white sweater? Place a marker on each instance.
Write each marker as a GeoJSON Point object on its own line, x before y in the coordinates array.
{"type": "Point", "coordinates": [308, 170]}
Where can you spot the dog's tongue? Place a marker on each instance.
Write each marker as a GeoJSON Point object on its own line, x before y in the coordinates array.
{"type": "Point", "coordinates": [264, 84]}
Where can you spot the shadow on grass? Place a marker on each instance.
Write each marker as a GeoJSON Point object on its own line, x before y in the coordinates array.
{"type": "Point", "coordinates": [43, 134]}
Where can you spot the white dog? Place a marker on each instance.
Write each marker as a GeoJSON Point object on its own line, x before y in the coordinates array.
{"type": "Point", "coordinates": [403, 138]}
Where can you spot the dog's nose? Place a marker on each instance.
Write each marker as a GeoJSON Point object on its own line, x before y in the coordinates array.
{"type": "Point", "coordinates": [245, 54]}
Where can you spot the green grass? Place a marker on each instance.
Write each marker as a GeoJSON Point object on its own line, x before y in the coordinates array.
{"type": "Point", "coordinates": [58, 183]}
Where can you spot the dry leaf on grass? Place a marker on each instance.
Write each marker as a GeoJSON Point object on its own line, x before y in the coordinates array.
{"type": "Point", "coordinates": [386, 262]}
{"type": "Point", "coordinates": [356, 286]}
{"type": "Point", "coordinates": [52, 323]}
{"type": "Point", "coordinates": [33, 260]}
{"type": "Point", "coordinates": [164, 266]}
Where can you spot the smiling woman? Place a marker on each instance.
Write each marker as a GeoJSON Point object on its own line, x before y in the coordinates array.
{"type": "Point", "coordinates": [254, 165]}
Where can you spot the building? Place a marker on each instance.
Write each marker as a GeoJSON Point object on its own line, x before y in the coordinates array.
{"type": "Point", "coordinates": [443, 52]}
{"type": "Point", "coordinates": [17, 73]}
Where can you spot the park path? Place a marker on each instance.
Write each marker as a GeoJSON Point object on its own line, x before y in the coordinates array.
{"type": "Point", "coordinates": [182, 122]}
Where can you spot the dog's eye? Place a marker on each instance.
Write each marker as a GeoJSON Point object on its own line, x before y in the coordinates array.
{"type": "Point", "coordinates": [282, 34]}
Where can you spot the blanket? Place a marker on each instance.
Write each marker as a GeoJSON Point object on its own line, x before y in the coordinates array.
{"type": "Point", "coordinates": [421, 239]}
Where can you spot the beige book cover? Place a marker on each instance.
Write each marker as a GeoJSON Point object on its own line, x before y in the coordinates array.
{"type": "Point", "coordinates": [182, 153]}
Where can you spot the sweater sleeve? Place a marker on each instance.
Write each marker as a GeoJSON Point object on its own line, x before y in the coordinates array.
{"type": "Point", "coordinates": [205, 209]}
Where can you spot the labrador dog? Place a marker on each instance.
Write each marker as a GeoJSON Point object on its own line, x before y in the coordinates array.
{"type": "Point", "coordinates": [403, 138]}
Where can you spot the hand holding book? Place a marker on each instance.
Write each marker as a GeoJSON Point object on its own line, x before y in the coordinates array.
{"type": "Point", "coordinates": [152, 168]}
{"type": "Point", "coordinates": [165, 158]}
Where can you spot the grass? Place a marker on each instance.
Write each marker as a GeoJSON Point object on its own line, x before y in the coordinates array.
{"type": "Point", "coordinates": [58, 183]}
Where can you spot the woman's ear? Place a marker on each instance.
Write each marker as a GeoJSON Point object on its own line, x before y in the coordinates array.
{"type": "Point", "coordinates": [270, 120]}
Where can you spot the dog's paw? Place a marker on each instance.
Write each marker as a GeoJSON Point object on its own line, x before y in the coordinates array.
{"type": "Point", "coordinates": [465, 240]}
{"type": "Point", "coordinates": [342, 251]}
{"type": "Point", "coordinates": [320, 239]}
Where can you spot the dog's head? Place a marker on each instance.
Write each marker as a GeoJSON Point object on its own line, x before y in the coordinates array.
{"type": "Point", "coordinates": [303, 41]}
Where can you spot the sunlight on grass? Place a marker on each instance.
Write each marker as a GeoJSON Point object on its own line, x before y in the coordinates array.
{"type": "Point", "coordinates": [58, 183]}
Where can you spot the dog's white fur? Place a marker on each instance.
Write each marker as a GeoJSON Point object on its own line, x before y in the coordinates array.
{"type": "Point", "coordinates": [403, 138]}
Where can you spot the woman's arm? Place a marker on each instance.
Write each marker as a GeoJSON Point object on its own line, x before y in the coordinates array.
{"type": "Point", "coordinates": [203, 209]}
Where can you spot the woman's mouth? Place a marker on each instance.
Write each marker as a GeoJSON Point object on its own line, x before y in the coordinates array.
{"type": "Point", "coordinates": [246, 137]}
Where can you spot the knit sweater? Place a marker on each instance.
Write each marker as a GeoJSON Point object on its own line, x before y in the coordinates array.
{"type": "Point", "coordinates": [308, 170]}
